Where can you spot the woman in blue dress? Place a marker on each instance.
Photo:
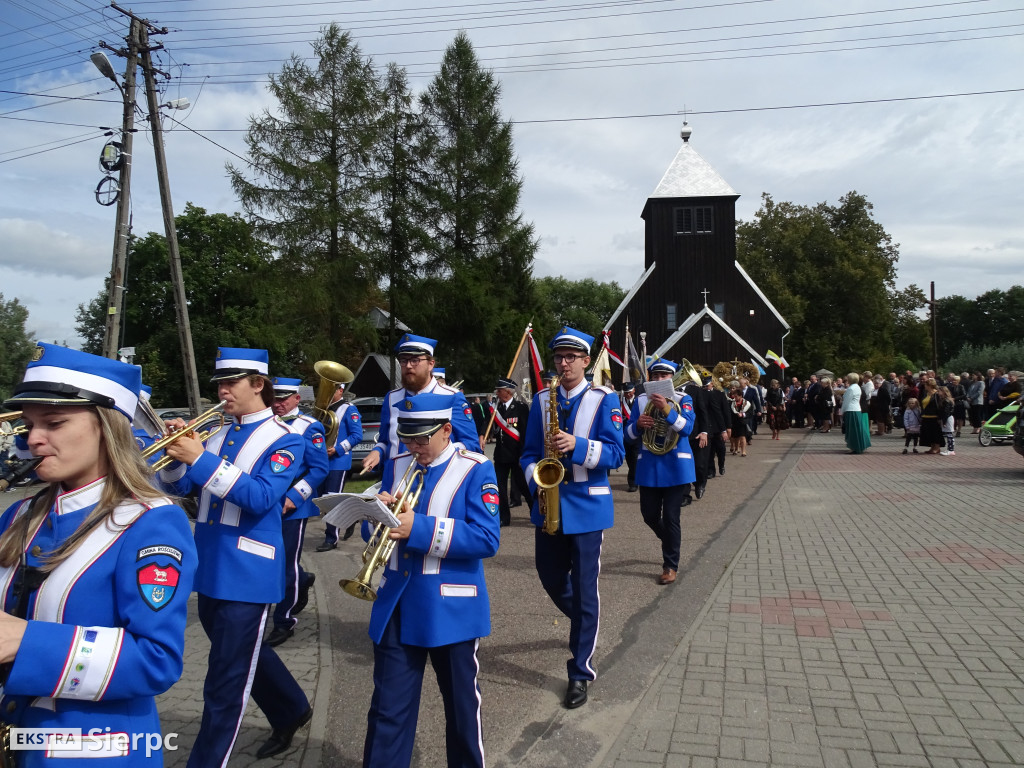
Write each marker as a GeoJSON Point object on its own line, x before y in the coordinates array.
{"type": "Point", "coordinates": [855, 419]}
{"type": "Point", "coordinates": [95, 570]}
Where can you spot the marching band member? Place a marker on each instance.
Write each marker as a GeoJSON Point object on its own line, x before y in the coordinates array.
{"type": "Point", "coordinates": [242, 475]}
{"type": "Point", "coordinates": [416, 361]}
{"type": "Point", "coordinates": [95, 569]}
{"type": "Point", "coordinates": [350, 434]}
{"type": "Point", "coordinates": [589, 440]}
{"type": "Point", "coordinates": [511, 418]}
{"type": "Point", "coordinates": [298, 507]}
{"type": "Point", "coordinates": [664, 479]}
{"type": "Point", "coordinates": [432, 600]}
{"type": "Point", "coordinates": [439, 374]}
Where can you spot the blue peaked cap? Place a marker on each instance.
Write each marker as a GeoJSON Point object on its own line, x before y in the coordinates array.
{"type": "Point", "coordinates": [423, 414]}
{"type": "Point", "coordinates": [570, 337]}
{"type": "Point", "coordinates": [236, 362]}
{"type": "Point", "coordinates": [60, 376]}
{"type": "Point", "coordinates": [286, 386]}
{"type": "Point", "coordinates": [661, 365]}
{"type": "Point", "coordinates": [415, 345]}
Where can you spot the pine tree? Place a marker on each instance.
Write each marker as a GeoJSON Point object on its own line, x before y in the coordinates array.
{"type": "Point", "coordinates": [477, 288]}
{"type": "Point", "coordinates": [310, 193]}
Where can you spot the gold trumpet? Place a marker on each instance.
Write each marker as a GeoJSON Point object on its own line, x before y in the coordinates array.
{"type": "Point", "coordinates": [6, 428]}
{"type": "Point", "coordinates": [379, 548]}
{"type": "Point", "coordinates": [193, 426]}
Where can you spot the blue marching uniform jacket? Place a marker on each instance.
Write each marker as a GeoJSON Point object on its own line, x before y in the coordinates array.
{"type": "Point", "coordinates": [592, 414]}
{"type": "Point", "coordinates": [106, 630]}
{"type": "Point", "coordinates": [314, 462]}
{"type": "Point", "coordinates": [437, 574]}
{"type": "Point", "coordinates": [244, 474]}
{"type": "Point", "coordinates": [675, 467]}
{"type": "Point", "coordinates": [350, 434]}
{"type": "Point", "coordinates": [463, 427]}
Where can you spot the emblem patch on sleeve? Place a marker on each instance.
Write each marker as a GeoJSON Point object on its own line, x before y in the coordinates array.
{"type": "Point", "coordinates": [318, 441]}
{"type": "Point", "coordinates": [489, 493]}
{"type": "Point", "coordinates": [617, 418]}
{"type": "Point", "coordinates": [468, 412]}
{"type": "Point", "coordinates": [281, 461]}
{"type": "Point", "coordinates": [687, 407]}
{"type": "Point", "coordinates": [159, 549]}
{"type": "Point", "coordinates": [157, 584]}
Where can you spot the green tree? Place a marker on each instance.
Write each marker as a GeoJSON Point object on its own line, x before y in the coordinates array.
{"type": "Point", "coordinates": [310, 194]}
{"type": "Point", "coordinates": [90, 321]}
{"type": "Point", "coordinates": [988, 320]}
{"type": "Point", "coordinates": [233, 294]}
{"type": "Point", "coordinates": [476, 291]}
{"type": "Point", "coordinates": [580, 304]}
{"type": "Point", "coordinates": [830, 270]}
{"type": "Point", "coordinates": [398, 182]}
{"type": "Point", "coordinates": [15, 345]}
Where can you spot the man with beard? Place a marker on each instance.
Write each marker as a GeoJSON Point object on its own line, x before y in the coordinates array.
{"type": "Point", "coordinates": [416, 361]}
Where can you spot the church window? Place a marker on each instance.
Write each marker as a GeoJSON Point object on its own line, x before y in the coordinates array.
{"type": "Point", "coordinates": [694, 221]}
{"type": "Point", "coordinates": [720, 309]}
{"type": "Point", "coordinates": [707, 331]}
{"type": "Point", "coordinates": [670, 317]}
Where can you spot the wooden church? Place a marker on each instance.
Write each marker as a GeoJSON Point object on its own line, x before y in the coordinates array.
{"type": "Point", "coordinates": [694, 300]}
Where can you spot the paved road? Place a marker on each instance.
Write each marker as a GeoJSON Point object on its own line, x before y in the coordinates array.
{"type": "Point", "coordinates": [852, 609]}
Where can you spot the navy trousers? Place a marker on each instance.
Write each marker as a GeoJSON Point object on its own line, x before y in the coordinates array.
{"type": "Point", "coordinates": [568, 566]}
{"type": "Point", "coordinates": [395, 706]}
{"type": "Point", "coordinates": [336, 479]}
{"type": "Point", "coordinates": [295, 578]}
{"type": "Point", "coordinates": [236, 637]}
{"type": "Point", "coordinates": [504, 473]}
{"type": "Point", "coordinates": [660, 508]}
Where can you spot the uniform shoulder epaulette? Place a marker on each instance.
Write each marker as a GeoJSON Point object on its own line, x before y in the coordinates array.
{"type": "Point", "coordinates": [476, 456]}
{"type": "Point", "coordinates": [602, 388]}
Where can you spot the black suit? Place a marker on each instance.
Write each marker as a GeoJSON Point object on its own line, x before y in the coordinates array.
{"type": "Point", "coordinates": [510, 420]}
{"type": "Point", "coordinates": [631, 447]}
{"type": "Point", "coordinates": [700, 426]}
{"type": "Point", "coordinates": [719, 421]}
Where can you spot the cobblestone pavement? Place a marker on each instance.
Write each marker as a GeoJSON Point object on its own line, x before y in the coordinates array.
{"type": "Point", "coordinates": [872, 618]}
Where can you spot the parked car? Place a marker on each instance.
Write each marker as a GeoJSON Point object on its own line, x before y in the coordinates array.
{"type": "Point", "coordinates": [370, 409]}
{"type": "Point", "coordinates": [1018, 432]}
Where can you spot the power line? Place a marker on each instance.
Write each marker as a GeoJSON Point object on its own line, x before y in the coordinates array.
{"type": "Point", "coordinates": [41, 151]}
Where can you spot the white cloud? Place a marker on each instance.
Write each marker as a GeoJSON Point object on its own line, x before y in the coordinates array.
{"type": "Point", "coordinates": [38, 248]}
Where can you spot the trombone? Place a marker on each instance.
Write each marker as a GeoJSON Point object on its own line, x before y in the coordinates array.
{"type": "Point", "coordinates": [379, 548]}
{"type": "Point", "coordinates": [193, 426]}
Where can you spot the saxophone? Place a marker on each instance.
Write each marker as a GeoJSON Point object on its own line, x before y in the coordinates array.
{"type": "Point", "coordinates": [549, 471]}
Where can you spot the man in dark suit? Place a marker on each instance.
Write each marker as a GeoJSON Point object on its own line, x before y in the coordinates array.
{"type": "Point", "coordinates": [752, 395]}
{"type": "Point", "coordinates": [810, 397]}
{"type": "Point", "coordinates": [699, 436]}
{"type": "Point", "coordinates": [719, 424]}
{"type": "Point", "coordinates": [628, 400]}
{"type": "Point", "coordinates": [510, 419]}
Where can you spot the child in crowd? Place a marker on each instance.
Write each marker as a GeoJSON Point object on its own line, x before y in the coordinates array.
{"type": "Point", "coordinates": [948, 428]}
{"type": "Point", "coordinates": [911, 423]}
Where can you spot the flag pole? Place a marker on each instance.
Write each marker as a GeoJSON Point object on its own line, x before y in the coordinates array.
{"type": "Point", "coordinates": [625, 354]}
{"type": "Point", "coordinates": [511, 370]}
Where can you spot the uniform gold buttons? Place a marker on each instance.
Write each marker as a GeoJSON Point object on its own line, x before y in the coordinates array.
{"type": "Point", "coordinates": [36, 551]}
{"type": "Point", "coordinates": [231, 442]}
{"type": "Point", "coordinates": [237, 427]}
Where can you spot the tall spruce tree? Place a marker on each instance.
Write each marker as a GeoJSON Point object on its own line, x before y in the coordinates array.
{"type": "Point", "coordinates": [476, 288]}
{"type": "Point", "coordinates": [398, 179]}
{"type": "Point", "coordinates": [310, 193]}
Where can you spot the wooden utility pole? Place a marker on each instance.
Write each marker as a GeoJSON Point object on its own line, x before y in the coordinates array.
{"type": "Point", "coordinates": [935, 332]}
{"type": "Point", "coordinates": [188, 357]}
{"type": "Point", "coordinates": [122, 224]}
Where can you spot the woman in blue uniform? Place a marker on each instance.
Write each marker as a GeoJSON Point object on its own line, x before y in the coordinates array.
{"type": "Point", "coordinates": [95, 569]}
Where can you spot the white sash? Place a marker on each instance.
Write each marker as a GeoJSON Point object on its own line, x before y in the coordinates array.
{"type": "Point", "coordinates": [259, 440]}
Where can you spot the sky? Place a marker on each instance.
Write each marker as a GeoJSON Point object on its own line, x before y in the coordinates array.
{"type": "Point", "coordinates": [916, 105]}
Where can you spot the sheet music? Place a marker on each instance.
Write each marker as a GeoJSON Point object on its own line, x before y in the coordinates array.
{"type": "Point", "coordinates": [661, 387]}
{"type": "Point", "coordinates": [343, 509]}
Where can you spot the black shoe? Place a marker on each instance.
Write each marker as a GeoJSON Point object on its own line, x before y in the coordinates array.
{"type": "Point", "coordinates": [710, 475]}
{"type": "Point", "coordinates": [576, 694]}
{"type": "Point", "coordinates": [348, 532]}
{"type": "Point", "coordinates": [699, 493]}
{"type": "Point", "coordinates": [687, 501]}
{"type": "Point", "coordinates": [281, 738]}
{"type": "Point", "coordinates": [721, 470]}
{"type": "Point", "coordinates": [506, 523]}
{"type": "Point", "coordinates": [631, 489]}
{"type": "Point", "coordinates": [303, 600]}
{"type": "Point", "coordinates": [278, 636]}
{"type": "Point", "coordinates": [327, 546]}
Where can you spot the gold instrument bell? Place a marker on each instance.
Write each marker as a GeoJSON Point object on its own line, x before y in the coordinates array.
{"type": "Point", "coordinates": [331, 375]}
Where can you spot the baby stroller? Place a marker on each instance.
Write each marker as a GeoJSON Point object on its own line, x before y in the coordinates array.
{"type": "Point", "coordinates": [999, 428]}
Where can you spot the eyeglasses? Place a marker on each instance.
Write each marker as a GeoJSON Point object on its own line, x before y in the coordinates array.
{"type": "Point", "coordinates": [418, 440]}
{"type": "Point", "coordinates": [411, 361]}
{"type": "Point", "coordinates": [568, 358]}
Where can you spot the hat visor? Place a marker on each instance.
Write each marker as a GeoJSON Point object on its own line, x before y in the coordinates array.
{"type": "Point", "coordinates": [227, 374]}
{"type": "Point", "coordinates": [47, 398]}
{"type": "Point", "coordinates": [418, 428]}
{"type": "Point", "coordinates": [575, 346]}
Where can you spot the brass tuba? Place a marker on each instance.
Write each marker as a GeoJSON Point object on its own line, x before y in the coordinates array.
{"type": "Point", "coordinates": [331, 375]}
{"type": "Point", "coordinates": [661, 438]}
{"type": "Point", "coordinates": [379, 548]}
{"type": "Point", "coordinates": [549, 471]}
